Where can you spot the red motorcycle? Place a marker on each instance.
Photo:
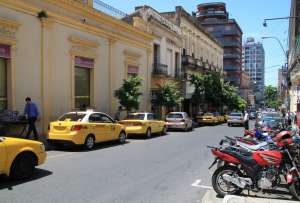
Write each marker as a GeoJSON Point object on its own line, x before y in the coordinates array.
{"type": "Point", "coordinates": [258, 170]}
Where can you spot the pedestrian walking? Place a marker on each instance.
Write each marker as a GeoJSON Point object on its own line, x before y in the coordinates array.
{"type": "Point", "coordinates": [246, 120]}
{"type": "Point", "coordinates": [32, 113]}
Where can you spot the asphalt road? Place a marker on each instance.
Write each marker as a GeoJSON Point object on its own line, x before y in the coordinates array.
{"type": "Point", "coordinates": [170, 168]}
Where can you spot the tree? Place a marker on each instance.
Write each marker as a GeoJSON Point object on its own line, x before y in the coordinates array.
{"type": "Point", "coordinates": [198, 82]}
{"type": "Point", "coordinates": [128, 95]}
{"type": "Point", "coordinates": [271, 97]}
{"type": "Point", "coordinates": [168, 95]}
{"type": "Point", "coordinates": [211, 89]}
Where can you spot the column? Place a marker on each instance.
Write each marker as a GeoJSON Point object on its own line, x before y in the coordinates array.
{"type": "Point", "coordinates": [46, 75]}
{"type": "Point", "coordinates": [111, 43]}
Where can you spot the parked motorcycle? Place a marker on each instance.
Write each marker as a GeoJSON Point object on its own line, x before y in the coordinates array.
{"type": "Point", "coordinates": [261, 169]}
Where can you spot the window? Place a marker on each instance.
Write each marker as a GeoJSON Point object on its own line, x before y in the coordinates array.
{"type": "Point", "coordinates": [151, 116]}
{"type": "Point", "coordinates": [83, 67]}
{"type": "Point", "coordinates": [3, 84]}
{"type": "Point", "coordinates": [100, 118]}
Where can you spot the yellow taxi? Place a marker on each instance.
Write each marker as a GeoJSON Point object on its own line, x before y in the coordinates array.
{"type": "Point", "coordinates": [85, 128]}
{"type": "Point", "coordinates": [207, 118]}
{"type": "Point", "coordinates": [19, 157]}
{"type": "Point", "coordinates": [221, 118]}
{"type": "Point", "coordinates": [144, 123]}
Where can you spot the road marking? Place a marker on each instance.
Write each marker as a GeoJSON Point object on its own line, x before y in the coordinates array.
{"type": "Point", "coordinates": [60, 155]}
{"type": "Point", "coordinates": [197, 184]}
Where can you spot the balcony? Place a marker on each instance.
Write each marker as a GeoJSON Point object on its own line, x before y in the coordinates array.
{"type": "Point", "coordinates": [199, 63]}
{"type": "Point", "coordinates": [231, 43]}
{"type": "Point", "coordinates": [188, 60]}
{"type": "Point", "coordinates": [230, 32]}
{"type": "Point", "coordinates": [160, 69]}
{"type": "Point", "coordinates": [232, 56]}
{"type": "Point", "coordinates": [221, 14]}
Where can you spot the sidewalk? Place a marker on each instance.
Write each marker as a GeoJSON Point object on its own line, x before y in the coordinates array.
{"type": "Point", "coordinates": [211, 197]}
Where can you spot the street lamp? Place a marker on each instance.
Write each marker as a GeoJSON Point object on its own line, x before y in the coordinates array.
{"type": "Point", "coordinates": [269, 19]}
{"type": "Point", "coordinates": [279, 42]}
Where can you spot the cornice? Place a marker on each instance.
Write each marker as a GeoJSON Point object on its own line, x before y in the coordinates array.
{"type": "Point", "coordinates": [9, 23]}
{"type": "Point", "coordinates": [89, 12]}
{"type": "Point", "coordinates": [83, 42]}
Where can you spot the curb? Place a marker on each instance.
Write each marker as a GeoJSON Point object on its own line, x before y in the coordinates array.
{"type": "Point", "coordinates": [238, 199]}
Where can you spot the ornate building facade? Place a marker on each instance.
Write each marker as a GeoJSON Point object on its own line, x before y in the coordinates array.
{"type": "Point", "coordinates": [65, 54]}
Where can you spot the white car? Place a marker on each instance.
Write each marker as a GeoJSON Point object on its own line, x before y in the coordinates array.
{"type": "Point", "coordinates": [179, 120]}
{"type": "Point", "coordinates": [236, 119]}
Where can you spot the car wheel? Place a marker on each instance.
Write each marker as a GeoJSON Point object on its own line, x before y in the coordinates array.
{"type": "Point", "coordinates": [164, 130]}
{"type": "Point", "coordinates": [122, 138]}
{"type": "Point", "coordinates": [148, 133]}
{"type": "Point", "coordinates": [229, 125]}
{"type": "Point", "coordinates": [89, 142]}
{"type": "Point", "coordinates": [23, 166]}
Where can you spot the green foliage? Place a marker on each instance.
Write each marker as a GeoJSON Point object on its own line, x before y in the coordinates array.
{"type": "Point", "coordinates": [271, 97]}
{"type": "Point", "coordinates": [128, 95]}
{"type": "Point", "coordinates": [168, 95]}
{"type": "Point", "coordinates": [211, 89]}
{"type": "Point", "coordinates": [198, 81]}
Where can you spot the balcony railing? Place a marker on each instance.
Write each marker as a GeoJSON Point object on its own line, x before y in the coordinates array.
{"type": "Point", "coordinates": [188, 60]}
{"type": "Point", "coordinates": [230, 32]}
{"type": "Point", "coordinates": [233, 56]}
{"type": "Point", "coordinates": [160, 69]}
{"type": "Point", "coordinates": [212, 13]}
{"type": "Point", "coordinates": [108, 9]}
{"type": "Point", "coordinates": [231, 43]}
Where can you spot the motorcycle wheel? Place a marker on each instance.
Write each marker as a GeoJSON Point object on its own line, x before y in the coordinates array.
{"type": "Point", "coordinates": [295, 189]}
{"type": "Point", "coordinates": [222, 187]}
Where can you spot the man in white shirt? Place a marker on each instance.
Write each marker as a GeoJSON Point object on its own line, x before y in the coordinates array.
{"type": "Point", "coordinates": [246, 120]}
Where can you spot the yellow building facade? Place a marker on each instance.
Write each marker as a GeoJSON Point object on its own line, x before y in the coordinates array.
{"type": "Point", "coordinates": [166, 49]}
{"type": "Point", "coordinates": [64, 54]}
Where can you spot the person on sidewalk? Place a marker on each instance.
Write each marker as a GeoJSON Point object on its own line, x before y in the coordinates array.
{"type": "Point", "coordinates": [246, 120]}
{"type": "Point", "coordinates": [32, 113]}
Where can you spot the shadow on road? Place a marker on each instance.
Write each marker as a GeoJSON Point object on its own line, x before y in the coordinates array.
{"type": "Point", "coordinates": [7, 183]}
{"type": "Point", "coordinates": [143, 137]}
{"type": "Point", "coordinates": [75, 148]}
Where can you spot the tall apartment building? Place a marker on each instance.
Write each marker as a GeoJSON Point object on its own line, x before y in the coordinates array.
{"type": "Point", "coordinates": [214, 18]}
{"type": "Point", "coordinates": [254, 65]}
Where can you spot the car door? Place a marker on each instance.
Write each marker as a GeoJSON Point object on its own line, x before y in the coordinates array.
{"type": "Point", "coordinates": [2, 155]}
{"type": "Point", "coordinates": [150, 120]}
{"type": "Point", "coordinates": [158, 124]}
{"type": "Point", "coordinates": [110, 128]}
{"type": "Point", "coordinates": [98, 128]}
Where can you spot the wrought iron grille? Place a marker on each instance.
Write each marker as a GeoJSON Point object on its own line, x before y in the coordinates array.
{"type": "Point", "coordinates": [108, 9]}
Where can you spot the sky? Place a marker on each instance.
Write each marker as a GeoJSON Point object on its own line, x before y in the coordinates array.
{"type": "Point", "coordinates": [248, 13]}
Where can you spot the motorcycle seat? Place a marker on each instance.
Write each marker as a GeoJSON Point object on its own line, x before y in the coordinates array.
{"type": "Point", "coordinates": [244, 157]}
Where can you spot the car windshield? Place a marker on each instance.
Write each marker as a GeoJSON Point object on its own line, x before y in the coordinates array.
{"type": "Point", "coordinates": [72, 117]}
{"type": "Point", "coordinates": [139, 116]}
{"type": "Point", "coordinates": [236, 114]}
{"type": "Point", "coordinates": [175, 115]}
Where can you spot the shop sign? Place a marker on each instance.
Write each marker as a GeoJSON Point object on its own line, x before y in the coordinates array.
{"type": "Point", "coordinates": [4, 51]}
{"type": "Point", "coordinates": [132, 70]}
{"type": "Point", "coordinates": [84, 62]}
